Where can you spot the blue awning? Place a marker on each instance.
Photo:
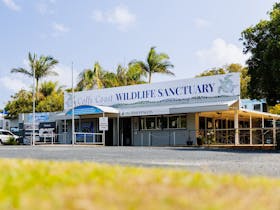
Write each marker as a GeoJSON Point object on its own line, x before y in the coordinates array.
{"type": "Point", "coordinates": [86, 109]}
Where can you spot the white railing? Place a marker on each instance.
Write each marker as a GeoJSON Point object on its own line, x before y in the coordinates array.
{"type": "Point", "coordinates": [88, 138]}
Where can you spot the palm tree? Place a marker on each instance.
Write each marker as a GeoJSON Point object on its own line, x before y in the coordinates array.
{"type": "Point", "coordinates": [40, 66]}
{"type": "Point", "coordinates": [155, 63]}
{"type": "Point", "coordinates": [89, 79]}
{"type": "Point", "coordinates": [48, 88]}
{"type": "Point", "coordinates": [50, 97]}
{"type": "Point", "coordinates": [121, 76]}
{"type": "Point", "coordinates": [134, 75]}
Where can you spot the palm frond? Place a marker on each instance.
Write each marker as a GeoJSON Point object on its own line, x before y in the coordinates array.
{"type": "Point", "coordinates": [23, 71]}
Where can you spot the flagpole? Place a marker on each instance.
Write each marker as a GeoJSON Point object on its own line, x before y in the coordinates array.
{"type": "Point", "coordinates": [73, 107]}
{"type": "Point", "coordinates": [33, 111]}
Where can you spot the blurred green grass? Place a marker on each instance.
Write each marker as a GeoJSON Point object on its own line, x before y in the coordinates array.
{"type": "Point", "coordinates": [47, 185]}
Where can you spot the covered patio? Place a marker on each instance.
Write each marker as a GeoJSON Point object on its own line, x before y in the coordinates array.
{"type": "Point", "coordinates": [238, 127]}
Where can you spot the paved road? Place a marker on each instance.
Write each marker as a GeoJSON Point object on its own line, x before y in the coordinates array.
{"type": "Point", "coordinates": [195, 159]}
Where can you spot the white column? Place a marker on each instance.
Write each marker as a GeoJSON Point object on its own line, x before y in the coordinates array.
{"type": "Point", "coordinates": [73, 108]}
{"type": "Point", "coordinates": [103, 132]}
{"type": "Point", "coordinates": [236, 142]}
{"type": "Point", "coordinates": [118, 128]}
{"type": "Point", "coordinates": [251, 131]}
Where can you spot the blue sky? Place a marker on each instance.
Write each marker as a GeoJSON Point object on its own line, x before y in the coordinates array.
{"type": "Point", "coordinates": [197, 35]}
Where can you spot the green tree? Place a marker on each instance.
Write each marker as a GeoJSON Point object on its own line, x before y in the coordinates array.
{"type": "Point", "coordinates": [21, 103]}
{"type": "Point", "coordinates": [47, 88]}
{"type": "Point", "coordinates": [155, 63]}
{"type": "Point", "coordinates": [262, 42]}
{"type": "Point", "coordinates": [129, 76]}
{"type": "Point", "coordinates": [244, 77]}
{"type": "Point", "coordinates": [89, 79]}
{"type": "Point", "coordinates": [49, 99]}
{"type": "Point", "coordinates": [110, 80]}
{"type": "Point", "coordinates": [135, 74]}
{"type": "Point", "coordinates": [42, 67]}
{"type": "Point", "coordinates": [275, 109]}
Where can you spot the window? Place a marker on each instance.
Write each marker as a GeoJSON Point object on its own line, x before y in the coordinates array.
{"type": "Point", "coordinates": [142, 124]}
{"type": "Point", "coordinates": [257, 107]}
{"type": "Point", "coordinates": [209, 123]}
{"type": "Point", "coordinates": [64, 127]}
{"type": "Point", "coordinates": [151, 122]}
{"type": "Point", "coordinates": [177, 122]}
{"type": "Point", "coordinates": [173, 122]}
{"type": "Point", "coordinates": [161, 122]}
{"type": "Point", "coordinates": [202, 122]}
{"type": "Point", "coordinates": [183, 122]}
{"type": "Point", "coordinates": [264, 107]}
{"type": "Point", "coordinates": [6, 133]}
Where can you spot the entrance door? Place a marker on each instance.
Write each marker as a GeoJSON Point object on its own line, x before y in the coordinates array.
{"type": "Point", "coordinates": [126, 131]}
{"type": "Point", "coordinates": [109, 133]}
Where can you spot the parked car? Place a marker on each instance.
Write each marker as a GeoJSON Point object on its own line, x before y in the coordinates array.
{"type": "Point", "coordinates": [5, 135]}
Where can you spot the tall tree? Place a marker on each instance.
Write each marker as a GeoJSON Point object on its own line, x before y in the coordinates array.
{"type": "Point", "coordinates": [130, 75]}
{"type": "Point", "coordinates": [21, 102]}
{"type": "Point", "coordinates": [262, 42]}
{"type": "Point", "coordinates": [135, 75]}
{"type": "Point", "coordinates": [234, 67]}
{"type": "Point", "coordinates": [49, 99]}
{"type": "Point", "coordinates": [155, 63]}
{"type": "Point", "coordinates": [89, 79]}
{"type": "Point", "coordinates": [41, 66]}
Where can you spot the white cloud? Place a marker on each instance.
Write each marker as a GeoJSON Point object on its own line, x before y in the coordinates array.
{"type": "Point", "coordinates": [13, 84]}
{"type": "Point", "coordinates": [64, 77]}
{"type": "Point", "coordinates": [201, 23]}
{"type": "Point", "coordinates": [11, 5]}
{"type": "Point", "coordinates": [45, 7]}
{"type": "Point", "coordinates": [119, 16]}
{"type": "Point", "coordinates": [60, 28]}
{"type": "Point", "coordinates": [221, 53]}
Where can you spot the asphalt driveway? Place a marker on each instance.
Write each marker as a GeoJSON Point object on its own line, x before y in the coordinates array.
{"type": "Point", "coordinates": [265, 163]}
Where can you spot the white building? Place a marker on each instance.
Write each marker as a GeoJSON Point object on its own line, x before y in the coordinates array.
{"type": "Point", "coordinates": [204, 110]}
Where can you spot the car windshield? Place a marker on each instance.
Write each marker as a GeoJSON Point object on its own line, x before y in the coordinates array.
{"type": "Point", "coordinates": [6, 133]}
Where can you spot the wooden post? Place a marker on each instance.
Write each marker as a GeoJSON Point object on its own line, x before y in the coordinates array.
{"type": "Point", "coordinates": [236, 124]}
{"type": "Point", "coordinates": [251, 130]}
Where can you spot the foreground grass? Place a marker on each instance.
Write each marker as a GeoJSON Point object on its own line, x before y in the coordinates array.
{"type": "Point", "coordinates": [36, 185]}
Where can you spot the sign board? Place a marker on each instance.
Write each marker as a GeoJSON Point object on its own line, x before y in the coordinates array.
{"type": "Point", "coordinates": [103, 123]}
{"type": "Point", "coordinates": [39, 117]}
{"type": "Point", "coordinates": [218, 86]}
{"type": "Point", "coordinates": [47, 129]}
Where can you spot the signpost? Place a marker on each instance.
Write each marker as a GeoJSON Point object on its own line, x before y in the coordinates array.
{"type": "Point", "coordinates": [103, 123]}
{"type": "Point", "coordinates": [103, 126]}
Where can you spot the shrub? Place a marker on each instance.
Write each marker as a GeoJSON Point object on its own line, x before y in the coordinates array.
{"type": "Point", "coordinates": [12, 141]}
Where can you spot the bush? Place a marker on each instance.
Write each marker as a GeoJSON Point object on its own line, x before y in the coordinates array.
{"type": "Point", "coordinates": [12, 141]}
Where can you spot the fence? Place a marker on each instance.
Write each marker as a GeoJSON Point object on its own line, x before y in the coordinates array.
{"type": "Point", "coordinates": [64, 138]}
{"type": "Point", "coordinates": [247, 136]}
{"type": "Point", "coordinates": [88, 138]}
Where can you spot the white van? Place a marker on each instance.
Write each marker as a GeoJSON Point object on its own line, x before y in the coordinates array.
{"type": "Point", "coordinates": [5, 135]}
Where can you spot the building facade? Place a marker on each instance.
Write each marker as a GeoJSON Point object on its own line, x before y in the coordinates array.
{"type": "Point", "coordinates": [204, 110]}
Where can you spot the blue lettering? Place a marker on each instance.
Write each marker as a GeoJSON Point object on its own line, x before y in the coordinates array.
{"type": "Point", "coordinates": [172, 91]}
{"type": "Point", "coordinates": [211, 87]}
{"type": "Point", "coordinates": [166, 92]}
{"type": "Point", "coordinates": [119, 96]}
{"type": "Point", "coordinates": [160, 94]}
{"type": "Point", "coordinates": [199, 90]}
